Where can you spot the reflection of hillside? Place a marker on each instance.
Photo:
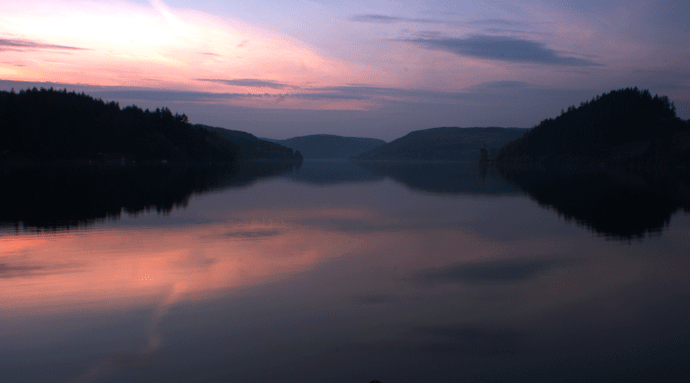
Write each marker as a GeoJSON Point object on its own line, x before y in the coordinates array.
{"type": "Point", "coordinates": [53, 197]}
{"type": "Point", "coordinates": [444, 178]}
{"type": "Point", "coordinates": [612, 203]}
{"type": "Point", "coordinates": [332, 172]}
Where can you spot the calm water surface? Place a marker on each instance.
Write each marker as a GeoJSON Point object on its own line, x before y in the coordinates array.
{"type": "Point", "coordinates": [338, 272]}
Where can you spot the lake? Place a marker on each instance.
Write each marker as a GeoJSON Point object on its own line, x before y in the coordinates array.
{"type": "Point", "coordinates": [340, 272]}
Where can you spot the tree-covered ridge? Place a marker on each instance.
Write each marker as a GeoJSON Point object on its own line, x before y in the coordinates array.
{"type": "Point", "coordinates": [48, 124]}
{"type": "Point", "coordinates": [606, 126]}
{"type": "Point", "coordinates": [329, 146]}
{"type": "Point", "coordinates": [442, 144]}
{"type": "Point", "coordinates": [252, 148]}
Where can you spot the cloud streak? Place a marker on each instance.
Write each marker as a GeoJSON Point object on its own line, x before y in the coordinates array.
{"type": "Point", "coordinates": [327, 93]}
{"type": "Point", "coordinates": [248, 82]}
{"type": "Point", "coordinates": [21, 45]}
{"type": "Point", "coordinates": [24, 270]}
{"type": "Point", "coordinates": [499, 22]}
{"type": "Point", "coordinates": [385, 19]}
{"type": "Point", "coordinates": [252, 234]}
{"type": "Point", "coordinates": [493, 272]}
{"type": "Point", "coordinates": [501, 48]}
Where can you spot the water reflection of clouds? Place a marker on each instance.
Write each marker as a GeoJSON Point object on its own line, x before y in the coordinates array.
{"type": "Point", "coordinates": [423, 283]}
{"type": "Point", "coordinates": [116, 265]}
{"type": "Point", "coordinates": [143, 358]}
{"type": "Point", "coordinates": [255, 234]}
{"type": "Point", "coordinates": [373, 299]}
{"type": "Point", "coordinates": [502, 271]}
{"type": "Point", "coordinates": [126, 268]}
{"type": "Point", "coordinates": [20, 269]}
{"type": "Point", "coordinates": [467, 339]}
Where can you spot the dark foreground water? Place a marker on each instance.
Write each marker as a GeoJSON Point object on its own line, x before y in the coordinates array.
{"type": "Point", "coordinates": [338, 272]}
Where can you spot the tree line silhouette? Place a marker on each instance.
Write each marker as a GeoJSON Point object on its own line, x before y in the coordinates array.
{"type": "Point", "coordinates": [48, 124]}
{"type": "Point", "coordinates": [614, 119]}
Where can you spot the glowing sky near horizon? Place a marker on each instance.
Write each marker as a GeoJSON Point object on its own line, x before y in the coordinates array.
{"type": "Point", "coordinates": [379, 69]}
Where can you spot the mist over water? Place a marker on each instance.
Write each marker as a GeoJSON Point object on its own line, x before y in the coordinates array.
{"type": "Point", "coordinates": [343, 272]}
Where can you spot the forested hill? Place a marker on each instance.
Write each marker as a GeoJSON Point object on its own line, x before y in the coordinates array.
{"type": "Point", "coordinates": [626, 125]}
{"type": "Point", "coordinates": [252, 148]}
{"type": "Point", "coordinates": [328, 146]}
{"type": "Point", "coordinates": [447, 144]}
{"type": "Point", "coordinates": [57, 125]}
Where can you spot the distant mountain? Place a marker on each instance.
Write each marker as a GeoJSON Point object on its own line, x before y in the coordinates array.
{"type": "Point", "coordinates": [252, 148]}
{"type": "Point", "coordinates": [448, 144]}
{"type": "Point", "coordinates": [626, 126]}
{"type": "Point", "coordinates": [328, 146]}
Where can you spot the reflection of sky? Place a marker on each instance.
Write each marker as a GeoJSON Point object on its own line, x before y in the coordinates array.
{"type": "Point", "coordinates": [378, 69]}
{"type": "Point", "coordinates": [294, 282]}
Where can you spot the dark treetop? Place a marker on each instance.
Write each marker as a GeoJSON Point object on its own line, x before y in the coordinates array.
{"type": "Point", "coordinates": [50, 125]}
{"type": "Point", "coordinates": [626, 126]}
{"type": "Point", "coordinates": [252, 148]}
{"type": "Point", "coordinates": [56, 125]}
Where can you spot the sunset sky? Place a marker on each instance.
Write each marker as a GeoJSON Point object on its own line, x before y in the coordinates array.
{"type": "Point", "coordinates": [381, 69]}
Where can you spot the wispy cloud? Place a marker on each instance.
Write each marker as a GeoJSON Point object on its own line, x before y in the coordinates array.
{"type": "Point", "coordinates": [363, 91]}
{"type": "Point", "coordinates": [486, 23]}
{"type": "Point", "coordinates": [164, 95]}
{"type": "Point", "coordinates": [252, 234]}
{"type": "Point", "coordinates": [116, 93]}
{"type": "Point", "coordinates": [248, 82]}
{"type": "Point", "coordinates": [20, 45]}
{"type": "Point", "coordinates": [499, 22]}
{"type": "Point", "coordinates": [502, 48]}
{"type": "Point", "coordinates": [24, 270]}
{"type": "Point", "coordinates": [326, 96]}
{"type": "Point", "coordinates": [373, 299]}
{"type": "Point", "coordinates": [503, 84]}
{"type": "Point", "coordinates": [468, 339]}
{"type": "Point", "coordinates": [502, 271]}
{"type": "Point", "coordinates": [462, 339]}
{"type": "Point", "coordinates": [386, 19]}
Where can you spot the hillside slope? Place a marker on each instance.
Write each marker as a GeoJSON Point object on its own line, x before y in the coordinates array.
{"type": "Point", "coordinates": [626, 125]}
{"type": "Point", "coordinates": [328, 146]}
{"type": "Point", "coordinates": [49, 124]}
{"type": "Point", "coordinates": [444, 144]}
{"type": "Point", "coordinates": [252, 148]}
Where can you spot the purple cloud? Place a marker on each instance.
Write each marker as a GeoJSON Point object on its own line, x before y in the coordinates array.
{"type": "Point", "coordinates": [500, 48]}
{"type": "Point", "coordinates": [248, 82]}
{"type": "Point", "coordinates": [20, 45]}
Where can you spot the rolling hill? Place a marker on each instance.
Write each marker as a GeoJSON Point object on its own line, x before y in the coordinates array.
{"type": "Point", "coordinates": [443, 144]}
{"type": "Point", "coordinates": [252, 148]}
{"type": "Point", "coordinates": [626, 126]}
{"type": "Point", "coordinates": [48, 125]}
{"type": "Point", "coordinates": [54, 125]}
{"type": "Point", "coordinates": [328, 146]}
